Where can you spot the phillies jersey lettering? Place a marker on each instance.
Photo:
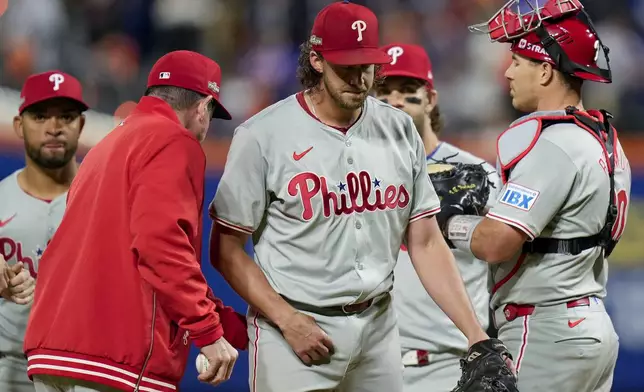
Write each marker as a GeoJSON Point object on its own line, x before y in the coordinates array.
{"type": "Point", "coordinates": [422, 324]}
{"type": "Point", "coordinates": [328, 209]}
{"type": "Point", "coordinates": [358, 197]}
{"type": "Point", "coordinates": [27, 224]}
{"type": "Point", "coordinates": [561, 192]}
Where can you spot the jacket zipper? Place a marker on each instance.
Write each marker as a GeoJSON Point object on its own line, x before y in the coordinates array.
{"type": "Point", "coordinates": [147, 358]}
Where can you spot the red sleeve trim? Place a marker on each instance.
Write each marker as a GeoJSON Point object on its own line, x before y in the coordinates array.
{"type": "Point", "coordinates": [425, 214]}
{"type": "Point", "coordinates": [513, 223]}
{"type": "Point", "coordinates": [233, 226]}
{"type": "Point", "coordinates": [235, 329]}
{"type": "Point", "coordinates": [209, 337]}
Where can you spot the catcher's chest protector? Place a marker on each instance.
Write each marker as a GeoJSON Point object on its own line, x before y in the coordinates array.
{"type": "Point", "coordinates": [518, 140]}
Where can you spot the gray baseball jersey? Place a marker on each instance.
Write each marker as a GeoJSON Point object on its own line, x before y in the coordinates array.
{"type": "Point", "coordinates": [26, 226]}
{"type": "Point", "coordinates": [328, 209]}
{"type": "Point", "coordinates": [423, 325]}
{"type": "Point", "coordinates": [559, 189]}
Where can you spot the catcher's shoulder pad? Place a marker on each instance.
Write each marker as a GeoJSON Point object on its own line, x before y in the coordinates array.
{"type": "Point", "coordinates": [517, 141]}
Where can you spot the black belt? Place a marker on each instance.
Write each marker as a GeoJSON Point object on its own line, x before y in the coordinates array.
{"type": "Point", "coordinates": [332, 311]}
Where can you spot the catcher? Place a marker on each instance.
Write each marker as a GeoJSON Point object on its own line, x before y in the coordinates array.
{"type": "Point", "coordinates": [563, 206]}
{"type": "Point", "coordinates": [432, 347]}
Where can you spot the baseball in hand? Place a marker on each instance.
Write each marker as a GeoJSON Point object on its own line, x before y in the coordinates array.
{"type": "Point", "coordinates": [202, 363]}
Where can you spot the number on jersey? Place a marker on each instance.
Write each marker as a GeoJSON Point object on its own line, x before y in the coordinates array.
{"type": "Point", "coordinates": [621, 200]}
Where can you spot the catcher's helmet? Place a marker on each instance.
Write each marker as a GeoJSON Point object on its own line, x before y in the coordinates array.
{"type": "Point", "coordinates": [559, 32]}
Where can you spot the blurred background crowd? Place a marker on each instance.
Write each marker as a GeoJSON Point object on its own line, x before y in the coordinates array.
{"type": "Point", "coordinates": [111, 44]}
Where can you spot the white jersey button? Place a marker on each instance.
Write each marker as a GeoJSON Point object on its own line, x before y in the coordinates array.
{"type": "Point", "coordinates": [348, 143]}
{"type": "Point", "coordinates": [350, 161]}
{"type": "Point", "coordinates": [358, 225]}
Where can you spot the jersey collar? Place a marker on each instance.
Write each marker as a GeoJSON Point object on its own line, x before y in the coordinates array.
{"type": "Point", "coordinates": [154, 105]}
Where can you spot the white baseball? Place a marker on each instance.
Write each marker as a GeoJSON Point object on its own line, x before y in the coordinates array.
{"type": "Point", "coordinates": [202, 363]}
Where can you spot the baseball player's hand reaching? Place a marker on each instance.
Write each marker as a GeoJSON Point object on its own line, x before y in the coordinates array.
{"type": "Point", "coordinates": [311, 344]}
{"type": "Point", "coordinates": [221, 360]}
{"type": "Point", "coordinates": [21, 285]}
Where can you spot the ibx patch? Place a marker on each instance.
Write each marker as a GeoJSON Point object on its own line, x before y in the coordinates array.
{"type": "Point", "coordinates": [518, 196]}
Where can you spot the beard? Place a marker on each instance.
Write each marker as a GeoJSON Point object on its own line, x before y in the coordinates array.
{"type": "Point", "coordinates": [351, 102]}
{"type": "Point", "coordinates": [50, 159]}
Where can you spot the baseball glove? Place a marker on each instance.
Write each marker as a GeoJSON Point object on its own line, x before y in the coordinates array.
{"type": "Point", "coordinates": [463, 188]}
{"type": "Point", "coordinates": [487, 368]}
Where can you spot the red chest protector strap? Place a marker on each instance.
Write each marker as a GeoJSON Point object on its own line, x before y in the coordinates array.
{"type": "Point", "coordinates": [596, 122]}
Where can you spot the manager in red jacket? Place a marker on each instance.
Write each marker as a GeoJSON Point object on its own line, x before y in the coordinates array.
{"type": "Point", "coordinates": [120, 292]}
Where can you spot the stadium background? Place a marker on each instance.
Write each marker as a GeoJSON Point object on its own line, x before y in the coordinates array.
{"type": "Point", "coordinates": [111, 44]}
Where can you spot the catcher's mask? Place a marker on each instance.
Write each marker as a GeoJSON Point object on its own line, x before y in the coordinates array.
{"type": "Point", "coordinates": [559, 32]}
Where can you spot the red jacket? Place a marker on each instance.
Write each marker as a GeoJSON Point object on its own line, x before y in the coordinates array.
{"type": "Point", "coordinates": [120, 290]}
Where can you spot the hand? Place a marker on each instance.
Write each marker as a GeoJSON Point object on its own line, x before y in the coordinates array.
{"type": "Point", "coordinates": [21, 285]}
{"type": "Point", "coordinates": [4, 282]}
{"type": "Point", "coordinates": [221, 360]}
{"type": "Point", "coordinates": [310, 343]}
{"type": "Point", "coordinates": [510, 365]}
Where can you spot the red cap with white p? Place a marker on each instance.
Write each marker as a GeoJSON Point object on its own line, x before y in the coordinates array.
{"type": "Point", "coordinates": [48, 85]}
{"type": "Point", "coordinates": [347, 34]}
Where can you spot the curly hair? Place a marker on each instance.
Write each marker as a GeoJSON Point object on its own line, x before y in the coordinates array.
{"type": "Point", "coordinates": [436, 120]}
{"type": "Point", "coordinates": [310, 78]}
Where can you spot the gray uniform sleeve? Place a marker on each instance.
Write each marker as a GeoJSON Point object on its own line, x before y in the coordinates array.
{"type": "Point", "coordinates": [494, 179]}
{"type": "Point", "coordinates": [424, 200]}
{"type": "Point", "coordinates": [241, 195]}
{"type": "Point", "coordinates": [537, 188]}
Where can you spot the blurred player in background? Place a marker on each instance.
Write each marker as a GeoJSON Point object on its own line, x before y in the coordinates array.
{"type": "Point", "coordinates": [431, 345]}
{"type": "Point", "coordinates": [562, 208]}
{"type": "Point", "coordinates": [50, 122]}
{"type": "Point", "coordinates": [329, 182]}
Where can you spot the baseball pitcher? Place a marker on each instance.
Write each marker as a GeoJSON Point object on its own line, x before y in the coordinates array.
{"type": "Point", "coordinates": [563, 205]}
{"type": "Point", "coordinates": [432, 346]}
{"type": "Point", "coordinates": [50, 122]}
{"type": "Point", "coordinates": [329, 182]}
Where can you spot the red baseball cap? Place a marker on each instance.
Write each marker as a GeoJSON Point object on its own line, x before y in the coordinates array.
{"type": "Point", "coordinates": [192, 71]}
{"type": "Point", "coordinates": [347, 34]}
{"type": "Point", "coordinates": [51, 84]}
{"type": "Point", "coordinates": [408, 60]}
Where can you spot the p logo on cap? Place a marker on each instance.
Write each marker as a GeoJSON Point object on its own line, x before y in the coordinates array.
{"type": "Point", "coordinates": [395, 52]}
{"type": "Point", "coordinates": [49, 85]}
{"type": "Point", "coordinates": [347, 34]}
{"type": "Point", "coordinates": [360, 26]}
{"type": "Point", "coordinates": [56, 79]}
{"type": "Point", "coordinates": [410, 61]}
